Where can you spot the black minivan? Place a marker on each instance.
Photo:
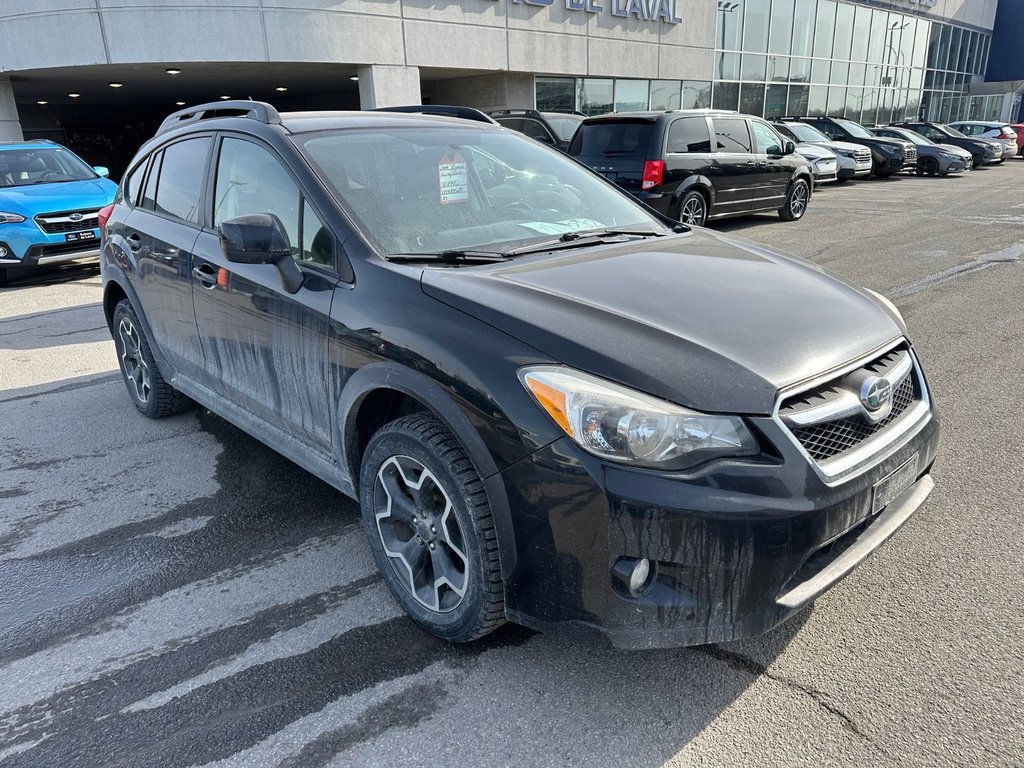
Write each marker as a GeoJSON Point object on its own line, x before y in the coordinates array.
{"type": "Point", "coordinates": [553, 405]}
{"type": "Point", "coordinates": [668, 160]}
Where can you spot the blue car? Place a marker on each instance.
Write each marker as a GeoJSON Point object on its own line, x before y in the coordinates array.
{"type": "Point", "coordinates": [49, 204]}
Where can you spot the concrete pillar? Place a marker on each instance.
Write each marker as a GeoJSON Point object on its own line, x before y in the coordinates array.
{"type": "Point", "coordinates": [502, 90]}
{"type": "Point", "coordinates": [10, 125]}
{"type": "Point", "coordinates": [388, 86]}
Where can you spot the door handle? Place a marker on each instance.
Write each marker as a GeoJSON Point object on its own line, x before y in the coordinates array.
{"type": "Point", "coordinates": [205, 274]}
{"type": "Point", "coordinates": [134, 241]}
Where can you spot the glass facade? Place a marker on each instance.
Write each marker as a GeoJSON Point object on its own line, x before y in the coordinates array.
{"type": "Point", "coordinates": [811, 57]}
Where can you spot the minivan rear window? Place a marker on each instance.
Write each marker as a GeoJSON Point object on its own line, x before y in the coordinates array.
{"type": "Point", "coordinates": [612, 138]}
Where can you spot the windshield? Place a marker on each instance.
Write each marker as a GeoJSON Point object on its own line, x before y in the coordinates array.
{"type": "Point", "coordinates": [432, 190]}
{"type": "Point", "coordinates": [909, 135]}
{"type": "Point", "coordinates": [953, 132]}
{"type": "Point", "coordinates": [805, 132]}
{"type": "Point", "coordinates": [855, 129]}
{"type": "Point", "coordinates": [564, 127]}
{"type": "Point", "coordinates": [41, 165]}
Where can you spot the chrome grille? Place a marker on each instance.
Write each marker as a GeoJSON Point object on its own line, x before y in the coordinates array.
{"type": "Point", "coordinates": [823, 441]}
{"type": "Point", "coordinates": [862, 155]}
{"type": "Point", "coordinates": [911, 155]}
{"type": "Point", "coordinates": [55, 223]}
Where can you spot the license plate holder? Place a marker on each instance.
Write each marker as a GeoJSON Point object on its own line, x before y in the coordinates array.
{"type": "Point", "coordinates": [75, 237]}
{"type": "Point", "coordinates": [893, 484]}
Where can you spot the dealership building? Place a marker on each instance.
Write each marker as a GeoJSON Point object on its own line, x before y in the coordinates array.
{"type": "Point", "coordinates": [98, 75]}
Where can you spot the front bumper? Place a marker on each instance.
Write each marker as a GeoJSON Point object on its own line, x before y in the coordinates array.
{"type": "Point", "coordinates": [954, 164]}
{"type": "Point", "coordinates": [24, 246]}
{"type": "Point", "coordinates": [851, 168]}
{"type": "Point", "coordinates": [737, 546]}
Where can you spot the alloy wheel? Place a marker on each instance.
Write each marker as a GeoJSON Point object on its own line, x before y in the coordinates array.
{"type": "Point", "coordinates": [422, 539]}
{"type": "Point", "coordinates": [692, 211]}
{"type": "Point", "coordinates": [133, 362]}
{"type": "Point", "coordinates": [798, 201]}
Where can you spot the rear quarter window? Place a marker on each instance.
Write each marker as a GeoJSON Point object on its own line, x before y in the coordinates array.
{"type": "Point", "coordinates": [690, 134]}
{"type": "Point", "coordinates": [619, 138]}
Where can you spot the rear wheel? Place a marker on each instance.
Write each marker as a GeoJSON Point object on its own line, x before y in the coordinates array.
{"type": "Point", "coordinates": [153, 396]}
{"type": "Point", "coordinates": [693, 209]}
{"type": "Point", "coordinates": [430, 529]}
{"type": "Point", "coordinates": [796, 201]}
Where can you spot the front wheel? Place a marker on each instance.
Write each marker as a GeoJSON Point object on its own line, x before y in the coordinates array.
{"type": "Point", "coordinates": [430, 529]}
{"type": "Point", "coordinates": [796, 201]}
{"type": "Point", "coordinates": [928, 166]}
{"type": "Point", "coordinates": [693, 209]}
{"type": "Point", "coordinates": [153, 396]}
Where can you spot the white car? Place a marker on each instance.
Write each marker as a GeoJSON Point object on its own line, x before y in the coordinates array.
{"type": "Point", "coordinates": [823, 161]}
{"type": "Point", "coordinates": [852, 160]}
{"type": "Point", "coordinates": [986, 129]}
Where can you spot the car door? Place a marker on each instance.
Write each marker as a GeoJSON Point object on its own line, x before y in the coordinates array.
{"type": "Point", "coordinates": [267, 349]}
{"type": "Point", "coordinates": [774, 168]}
{"type": "Point", "coordinates": [161, 232]}
{"type": "Point", "coordinates": [734, 168]}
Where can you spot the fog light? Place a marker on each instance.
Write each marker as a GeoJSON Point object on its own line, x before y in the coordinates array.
{"type": "Point", "coordinates": [635, 575]}
{"type": "Point", "coordinates": [3, 252]}
{"type": "Point", "coordinates": [638, 577]}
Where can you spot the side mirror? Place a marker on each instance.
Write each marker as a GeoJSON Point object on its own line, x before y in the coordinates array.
{"type": "Point", "coordinates": [790, 148]}
{"type": "Point", "coordinates": [101, 170]}
{"type": "Point", "coordinates": [259, 238]}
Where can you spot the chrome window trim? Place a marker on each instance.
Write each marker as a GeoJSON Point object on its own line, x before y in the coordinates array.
{"type": "Point", "coordinates": [876, 448]}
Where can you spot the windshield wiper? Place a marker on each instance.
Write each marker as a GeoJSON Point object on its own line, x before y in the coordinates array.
{"type": "Point", "coordinates": [452, 255]}
{"type": "Point", "coordinates": [581, 239]}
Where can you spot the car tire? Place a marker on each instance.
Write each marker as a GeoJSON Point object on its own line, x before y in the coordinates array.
{"type": "Point", "coordinates": [929, 166]}
{"type": "Point", "coordinates": [430, 529]}
{"type": "Point", "coordinates": [693, 209]}
{"type": "Point", "coordinates": [153, 396]}
{"type": "Point", "coordinates": [797, 199]}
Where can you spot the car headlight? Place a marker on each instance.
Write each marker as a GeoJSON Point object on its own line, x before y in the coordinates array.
{"type": "Point", "coordinates": [617, 423]}
{"type": "Point", "coordinates": [11, 218]}
{"type": "Point", "coordinates": [888, 149]}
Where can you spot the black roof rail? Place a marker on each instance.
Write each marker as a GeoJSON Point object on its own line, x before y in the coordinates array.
{"type": "Point", "coordinates": [257, 110]}
{"type": "Point", "coordinates": [529, 112]}
{"type": "Point", "coordinates": [441, 110]}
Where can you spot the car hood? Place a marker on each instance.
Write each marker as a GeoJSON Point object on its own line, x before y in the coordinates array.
{"type": "Point", "coordinates": [814, 151]}
{"type": "Point", "coordinates": [701, 319]}
{"type": "Point", "coordinates": [61, 196]}
{"type": "Point", "coordinates": [951, 148]}
{"type": "Point", "coordinates": [839, 146]}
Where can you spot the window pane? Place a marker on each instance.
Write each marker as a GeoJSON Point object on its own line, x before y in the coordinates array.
{"type": "Point", "coordinates": [755, 25]}
{"type": "Point", "coordinates": [730, 26]}
{"type": "Point", "coordinates": [854, 100]}
{"type": "Point", "coordinates": [879, 36]}
{"type": "Point", "coordinates": [857, 72]}
{"type": "Point", "coordinates": [840, 73]}
{"type": "Point", "coordinates": [921, 43]}
{"type": "Point", "coordinates": [557, 94]}
{"type": "Point", "coordinates": [766, 140]}
{"type": "Point", "coordinates": [665, 94]}
{"type": "Point", "coordinates": [754, 67]}
{"type": "Point", "coordinates": [689, 135]}
{"type": "Point", "coordinates": [149, 196]}
{"type": "Point", "coordinates": [819, 70]}
{"type": "Point", "coordinates": [861, 33]}
{"type": "Point", "coordinates": [595, 96]}
{"type": "Point", "coordinates": [797, 104]}
{"type": "Point", "coordinates": [181, 178]}
{"type": "Point", "coordinates": [726, 96]}
{"type": "Point", "coordinates": [817, 100]}
{"type": "Point", "coordinates": [251, 180]}
{"type": "Point", "coordinates": [799, 70]}
{"type": "Point", "coordinates": [133, 183]}
{"type": "Point", "coordinates": [728, 66]}
{"type": "Point", "coordinates": [752, 98]}
{"type": "Point", "coordinates": [803, 26]}
{"type": "Point", "coordinates": [696, 94]}
{"type": "Point", "coordinates": [844, 31]}
{"type": "Point", "coordinates": [825, 28]}
{"type": "Point", "coordinates": [731, 134]}
{"type": "Point", "coordinates": [836, 101]}
{"type": "Point", "coordinates": [631, 95]}
{"type": "Point", "coordinates": [775, 101]}
{"type": "Point", "coordinates": [317, 242]}
{"type": "Point", "coordinates": [778, 68]}
{"type": "Point", "coordinates": [535, 130]}
{"type": "Point", "coordinates": [782, 26]}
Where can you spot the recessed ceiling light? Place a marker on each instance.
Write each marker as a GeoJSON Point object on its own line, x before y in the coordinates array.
{"type": "Point", "coordinates": [281, 89]}
{"type": "Point", "coordinates": [354, 77]}
{"type": "Point", "coordinates": [116, 85]}
{"type": "Point", "coordinates": [74, 95]}
{"type": "Point", "coordinates": [42, 102]}
{"type": "Point", "coordinates": [225, 98]}
{"type": "Point", "coordinates": [180, 103]}
{"type": "Point", "coordinates": [173, 71]}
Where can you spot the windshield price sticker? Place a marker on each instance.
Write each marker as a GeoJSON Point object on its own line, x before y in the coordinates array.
{"type": "Point", "coordinates": [453, 179]}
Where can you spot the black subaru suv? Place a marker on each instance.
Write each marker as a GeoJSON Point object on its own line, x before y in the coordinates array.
{"type": "Point", "coordinates": [890, 155]}
{"type": "Point", "coordinates": [553, 405]}
{"type": "Point", "coordinates": [697, 165]}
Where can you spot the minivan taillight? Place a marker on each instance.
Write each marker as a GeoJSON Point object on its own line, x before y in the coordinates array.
{"type": "Point", "coordinates": [104, 216]}
{"type": "Point", "coordinates": [654, 170]}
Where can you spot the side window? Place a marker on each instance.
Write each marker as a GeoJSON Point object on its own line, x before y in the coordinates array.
{"type": "Point", "coordinates": [149, 196]}
{"type": "Point", "coordinates": [830, 130]}
{"type": "Point", "coordinates": [251, 180]}
{"type": "Point", "coordinates": [768, 141]}
{"type": "Point", "coordinates": [731, 134]}
{"type": "Point", "coordinates": [181, 179]}
{"type": "Point", "coordinates": [317, 241]}
{"type": "Point", "coordinates": [535, 130]}
{"type": "Point", "coordinates": [131, 184]}
{"type": "Point", "coordinates": [689, 134]}
{"type": "Point", "coordinates": [512, 123]}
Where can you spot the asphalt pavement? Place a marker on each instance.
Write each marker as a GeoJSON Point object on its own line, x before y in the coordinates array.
{"type": "Point", "coordinates": [172, 593]}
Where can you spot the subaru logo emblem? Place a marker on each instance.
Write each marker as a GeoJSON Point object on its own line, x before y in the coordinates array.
{"type": "Point", "coordinates": [875, 394]}
{"type": "Point", "coordinates": [75, 217]}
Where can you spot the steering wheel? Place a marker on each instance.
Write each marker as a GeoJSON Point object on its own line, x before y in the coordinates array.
{"type": "Point", "coordinates": [519, 206]}
{"type": "Point", "coordinates": [50, 174]}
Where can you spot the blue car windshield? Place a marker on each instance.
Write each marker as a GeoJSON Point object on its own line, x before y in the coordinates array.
{"type": "Point", "coordinates": [439, 188]}
{"type": "Point", "coordinates": [26, 166]}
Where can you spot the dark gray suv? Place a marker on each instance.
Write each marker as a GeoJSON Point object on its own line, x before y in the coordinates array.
{"type": "Point", "coordinates": [553, 405]}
